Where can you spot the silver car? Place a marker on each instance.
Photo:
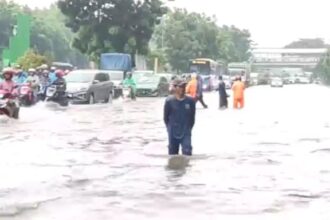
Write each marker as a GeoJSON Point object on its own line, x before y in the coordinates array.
{"type": "Point", "coordinates": [89, 86]}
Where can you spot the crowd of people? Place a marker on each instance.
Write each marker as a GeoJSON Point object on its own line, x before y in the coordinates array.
{"type": "Point", "coordinates": [37, 79]}
{"type": "Point", "coordinates": [194, 89]}
{"type": "Point", "coordinates": [180, 109]}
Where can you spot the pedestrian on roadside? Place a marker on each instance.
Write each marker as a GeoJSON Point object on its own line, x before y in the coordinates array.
{"type": "Point", "coordinates": [223, 96]}
{"type": "Point", "coordinates": [238, 89]}
{"type": "Point", "coordinates": [179, 118]}
{"type": "Point", "coordinates": [200, 91]}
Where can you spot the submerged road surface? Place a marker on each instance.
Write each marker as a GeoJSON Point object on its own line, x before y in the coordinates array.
{"type": "Point", "coordinates": [268, 161]}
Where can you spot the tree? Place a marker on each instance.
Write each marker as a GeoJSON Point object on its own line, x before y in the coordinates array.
{"type": "Point", "coordinates": [32, 60]}
{"type": "Point", "coordinates": [161, 60]}
{"type": "Point", "coordinates": [8, 11]}
{"type": "Point", "coordinates": [308, 43]}
{"type": "Point", "coordinates": [183, 36]}
{"type": "Point", "coordinates": [49, 36]}
{"type": "Point", "coordinates": [237, 44]}
{"type": "Point", "coordinates": [112, 25]}
{"type": "Point", "coordinates": [323, 68]}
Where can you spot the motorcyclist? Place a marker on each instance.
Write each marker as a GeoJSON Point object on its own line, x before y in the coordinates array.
{"type": "Point", "coordinates": [44, 78]}
{"type": "Point", "coordinates": [52, 75]}
{"type": "Point", "coordinates": [130, 83]}
{"type": "Point", "coordinates": [60, 82]}
{"type": "Point", "coordinates": [20, 77]}
{"type": "Point", "coordinates": [44, 83]}
{"type": "Point", "coordinates": [8, 84]}
{"type": "Point", "coordinates": [34, 82]}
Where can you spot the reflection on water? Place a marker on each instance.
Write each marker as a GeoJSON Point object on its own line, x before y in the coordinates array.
{"type": "Point", "coordinates": [269, 161]}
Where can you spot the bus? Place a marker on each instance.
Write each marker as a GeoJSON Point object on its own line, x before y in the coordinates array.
{"type": "Point", "coordinates": [209, 70]}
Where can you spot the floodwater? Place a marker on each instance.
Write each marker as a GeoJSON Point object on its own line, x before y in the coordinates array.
{"type": "Point", "coordinates": [268, 161]}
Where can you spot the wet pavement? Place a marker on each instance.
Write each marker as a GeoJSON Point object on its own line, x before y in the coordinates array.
{"type": "Point", "coordinates": [268, 161]}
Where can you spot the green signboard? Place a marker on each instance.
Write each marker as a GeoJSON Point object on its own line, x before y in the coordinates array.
{"type": "Point", "coordinates": [19, 43]}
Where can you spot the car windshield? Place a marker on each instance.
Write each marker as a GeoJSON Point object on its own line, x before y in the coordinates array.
{"type": "Point", "coordinates": [79, 77]}
{"type": "Point", "coordinates": [138, 75]}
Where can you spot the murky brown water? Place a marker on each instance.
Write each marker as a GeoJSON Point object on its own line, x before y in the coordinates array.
{"type": "Point", "coordinates": [269, 161]}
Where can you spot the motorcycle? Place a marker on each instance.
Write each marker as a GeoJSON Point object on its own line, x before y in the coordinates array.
{"type": "Point", "coordinates": [128, 93]}
{"type": "Point", "coordinates": [26, 95]}
{"type": "Point", "coordinates": [42, 93]}
{"type": "Point", "coordinates": [9, 104]}
{"type": "Point", "coordinates": [56, 93]}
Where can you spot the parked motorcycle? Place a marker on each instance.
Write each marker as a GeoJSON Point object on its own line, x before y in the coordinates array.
{"type": "Point", "coordinates": [9, 104]}
{"type": "Point", "coordinates": [56, 93]}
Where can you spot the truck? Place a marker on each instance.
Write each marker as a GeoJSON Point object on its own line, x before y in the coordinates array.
{"type": "Point", "coordinates": [116, 62]}
{"type": "Point", "coordinates": [117, 65]}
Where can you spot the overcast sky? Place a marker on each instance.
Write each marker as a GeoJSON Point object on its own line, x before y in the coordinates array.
{"type": "Point", "coordinates": [272, 23]}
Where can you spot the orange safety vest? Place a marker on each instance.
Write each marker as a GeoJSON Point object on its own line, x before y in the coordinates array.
{"type": "Point", "coordinates": [191, 89]}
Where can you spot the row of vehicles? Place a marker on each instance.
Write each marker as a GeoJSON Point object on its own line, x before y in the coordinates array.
{"type": "Point", "coordinates": [87, 87]}
{"type": "Point", "coordinates": [93, 86]}
{"type": "Point", "coordinates": [282, 76]}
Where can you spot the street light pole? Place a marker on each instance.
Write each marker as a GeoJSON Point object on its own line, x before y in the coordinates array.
{"type": "Point", "coordinates": [162, 27]}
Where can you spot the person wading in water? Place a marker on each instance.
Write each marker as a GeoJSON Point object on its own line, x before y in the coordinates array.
{"type": "Point", "coordinates": [179, 118]}
{"type": "Point", "coordinates": [238, 89]}
{"type": "Point", "coordinates": [223, 101]}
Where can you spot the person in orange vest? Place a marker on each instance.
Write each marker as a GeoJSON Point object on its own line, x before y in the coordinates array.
{"type": "Point", "coordinates": [191, 89]}
{"type": "Point", "coordinates": [238, 89]}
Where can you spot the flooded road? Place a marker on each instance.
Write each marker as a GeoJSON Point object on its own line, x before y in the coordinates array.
{"type": "Point", "coordinates": [268, 161]}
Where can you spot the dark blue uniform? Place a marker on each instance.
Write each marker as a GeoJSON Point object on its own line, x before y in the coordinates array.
{"type": "Point", "coordinates": [179, 117]}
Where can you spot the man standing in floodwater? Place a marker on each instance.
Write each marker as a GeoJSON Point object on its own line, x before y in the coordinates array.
{"type": "Point", "coordinates": [179, 118]}
{"type": "Point", "coordinates": [238, 89]}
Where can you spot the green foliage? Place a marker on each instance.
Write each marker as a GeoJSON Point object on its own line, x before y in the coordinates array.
{"type": "Point", "coordinates": [308, 43]}
{"type": "Point", "coordinates": [161, 60]}
{"type": "Point", "coordinates": [32, 60]}
{"type": "Point", "coordinates": [8, 12]}
{"type": "Point", "coordinates": [49, 36]}
{"type": "Point", "coordinates": [112, 25]}
{"type": "Point", "coordinates": [183, 36]}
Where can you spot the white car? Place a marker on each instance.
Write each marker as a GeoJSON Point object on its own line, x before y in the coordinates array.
{"type": "Point", "coordinates": [276, 82]}
{"type": "Point", "coordinates": [303, 80]}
